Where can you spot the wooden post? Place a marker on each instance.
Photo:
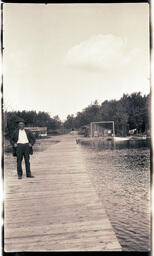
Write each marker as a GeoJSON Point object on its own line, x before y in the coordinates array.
{"type": "Point", "coordinates": [91, 129]}
{"type": "Point", "coordinates": [113, 129]}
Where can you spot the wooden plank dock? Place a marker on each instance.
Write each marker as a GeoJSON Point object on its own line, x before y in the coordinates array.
{"type": "Point", "coordinates": [59, 209]}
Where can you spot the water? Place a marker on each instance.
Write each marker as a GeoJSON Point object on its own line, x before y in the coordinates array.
{"type": "Point", "coordinates": [120, 173]}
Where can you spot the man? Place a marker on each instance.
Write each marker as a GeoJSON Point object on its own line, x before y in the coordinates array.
{"type": "Point", "coordinates": [22, 141]}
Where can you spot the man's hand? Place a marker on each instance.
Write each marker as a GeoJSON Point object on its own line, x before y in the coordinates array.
{"type": "Point", "coordinates": [30, 145]}
{"type": "Point", "coordinates": [15, 145]}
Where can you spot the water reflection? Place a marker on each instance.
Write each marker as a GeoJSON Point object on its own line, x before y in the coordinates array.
{"type": "Point", "coordinates": [131, 144]}
{"type": "Point", "coordinates": [120, 173]}
{"type": "Point", "coordinates": [111, 144]}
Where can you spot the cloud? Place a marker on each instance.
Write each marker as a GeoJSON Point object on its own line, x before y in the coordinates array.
{"type": "Point", "coordinates": [100, 52]}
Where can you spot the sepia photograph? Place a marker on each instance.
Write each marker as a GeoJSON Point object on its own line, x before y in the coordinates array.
{"type": "Point", "coordinates": [76, 127]}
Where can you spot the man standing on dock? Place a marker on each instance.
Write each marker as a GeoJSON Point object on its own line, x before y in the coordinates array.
{"type": "Point", "coordinates": [22, 141]}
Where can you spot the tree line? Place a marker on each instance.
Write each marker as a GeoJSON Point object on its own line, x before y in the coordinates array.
{"type": "Point", "coordinates": [32, 119]}
{"type": "Point", "coordinates": [130, 112]}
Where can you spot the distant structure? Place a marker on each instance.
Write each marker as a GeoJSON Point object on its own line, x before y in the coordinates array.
{"type": "Point", "coordinates": [132, 131]}
{"type": "Point", "coordinates": [38, 131]}
{"type": "Point", "coordinates": [102, 129]}
{"type": "Point", "coordinates": [84, 130]}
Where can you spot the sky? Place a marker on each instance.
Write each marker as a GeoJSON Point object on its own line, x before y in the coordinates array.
{"type": "Point", "coordinates": [60, 58]}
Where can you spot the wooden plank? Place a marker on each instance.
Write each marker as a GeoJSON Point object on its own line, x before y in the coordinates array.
{"type": "Point", "coordinates": [82, 244]}
{"type": "Point", "coordinates": [59, 228]}
{"type": "Point", "coordinates": [59, 209]}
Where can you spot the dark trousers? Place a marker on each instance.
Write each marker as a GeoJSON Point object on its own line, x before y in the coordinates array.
{"type": "Point", "coordinates": [23, 151]}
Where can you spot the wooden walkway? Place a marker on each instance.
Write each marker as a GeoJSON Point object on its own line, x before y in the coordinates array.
{"type": "Point", "coordinates": [59, 209]}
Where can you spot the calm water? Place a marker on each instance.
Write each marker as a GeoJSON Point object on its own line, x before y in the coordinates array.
{"type": "Point", "coordinates": [121, 175]}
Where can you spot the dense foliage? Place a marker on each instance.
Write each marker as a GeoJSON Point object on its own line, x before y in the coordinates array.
{"type": "Point", "coordinates": [40, 119]}
{"type": "Point", "coordinates": [130, 112]}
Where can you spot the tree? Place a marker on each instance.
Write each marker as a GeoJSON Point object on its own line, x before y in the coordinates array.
{"type": "Point", "coordinates": [136, 109]}
{"type": "Point", "coordinates": [108, 110]}
{"type": "Point", "coordinates": [121, 120]}
{"type": "Point", "coordinates": [42, 119]}
{"type": "Point", "coordinates": [70, 122]}
{"type": "Point", "coordinates": [131, 111]}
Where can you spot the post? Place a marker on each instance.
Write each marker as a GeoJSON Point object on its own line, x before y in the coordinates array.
{"type": "Point", "coordinates": [91, 130]}
{"type": "Point", "coordinates": [113, 129]}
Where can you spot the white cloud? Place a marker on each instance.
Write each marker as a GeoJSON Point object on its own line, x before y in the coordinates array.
{"type": "Point", "coordinates": [101, 52]}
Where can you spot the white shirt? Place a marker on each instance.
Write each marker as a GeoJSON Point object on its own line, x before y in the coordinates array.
{"type": "Point", "coordinates": [22, 138]}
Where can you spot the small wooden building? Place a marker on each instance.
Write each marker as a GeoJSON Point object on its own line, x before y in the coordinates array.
{"type": "Point", "coordinates": [102, 129]}
{"type": "Point", "coordinates": [38, 131]}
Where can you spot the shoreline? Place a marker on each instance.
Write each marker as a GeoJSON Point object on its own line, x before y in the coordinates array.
{"type": "Point", "coordinates": [40, 144]}
{"type": "Point", "coordinates": [109, 138]}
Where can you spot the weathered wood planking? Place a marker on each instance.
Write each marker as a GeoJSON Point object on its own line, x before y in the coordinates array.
{"type": "Point", "coordinates": [59, 209]}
